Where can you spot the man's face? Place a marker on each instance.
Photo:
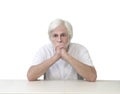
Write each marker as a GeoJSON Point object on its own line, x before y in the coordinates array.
{"type": "Point", "coordinates": [59, 36]}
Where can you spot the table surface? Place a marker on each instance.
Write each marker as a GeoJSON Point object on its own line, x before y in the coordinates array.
{"type": "Point", "coordinates": [60, 87]}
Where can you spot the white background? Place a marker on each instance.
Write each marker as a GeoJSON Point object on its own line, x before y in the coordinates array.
{"type": "Point", "coordinates": [24, 25]}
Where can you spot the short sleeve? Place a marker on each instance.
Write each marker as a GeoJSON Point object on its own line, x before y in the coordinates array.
{"type": "Point", "coordinates": [39, 57]}
{"type": "Point", "coordinates": [85, 57]}
{"type": "Point", "coordinates": [81, 53]}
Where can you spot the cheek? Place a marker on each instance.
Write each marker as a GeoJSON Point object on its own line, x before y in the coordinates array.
{"type": "Point", "coordinates": [66, 40]}
{"type": "Point", "coordinates": [53, 41]}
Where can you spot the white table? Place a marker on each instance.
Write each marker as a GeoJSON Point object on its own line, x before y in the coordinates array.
{"type": "Point", "coordinates": [59, 87]}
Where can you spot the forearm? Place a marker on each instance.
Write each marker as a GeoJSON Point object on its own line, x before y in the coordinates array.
{"type": "Point", "coordinates": [37, 70]}
{"type": "Point", "coordinates": [87, 72]}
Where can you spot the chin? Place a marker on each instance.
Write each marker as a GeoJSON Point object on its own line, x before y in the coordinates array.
{"type": "Point", "coordinates": [67, 45]}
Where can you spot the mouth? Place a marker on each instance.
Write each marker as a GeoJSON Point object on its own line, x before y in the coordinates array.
{"type": "Point", "coordinates": [63, 44]}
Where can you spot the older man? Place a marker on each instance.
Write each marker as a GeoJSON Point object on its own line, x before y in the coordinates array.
{"type": "Point", "coordinates": [62, 60]}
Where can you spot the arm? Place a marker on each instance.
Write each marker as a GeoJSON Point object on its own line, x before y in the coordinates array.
{"type": "Point", "coordinates": [87, 72]}
{"type": "Point", "coordinates": [37, 70]}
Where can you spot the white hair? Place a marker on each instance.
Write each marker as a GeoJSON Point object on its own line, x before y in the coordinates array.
{"type": "Point", "coordinates": [54, 24]}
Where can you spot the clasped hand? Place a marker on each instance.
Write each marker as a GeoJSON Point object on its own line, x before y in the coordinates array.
{"type": "Point", "coordinates": [61, 50]}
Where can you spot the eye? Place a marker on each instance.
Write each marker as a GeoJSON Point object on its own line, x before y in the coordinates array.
{"type": "Point", "coordinates": [55, 35]}
{"type": "Point", "coordinates": [63, 34]}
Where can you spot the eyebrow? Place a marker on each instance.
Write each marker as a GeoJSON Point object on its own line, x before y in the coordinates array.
{"type": "Point", "coordinates": [61, 33]}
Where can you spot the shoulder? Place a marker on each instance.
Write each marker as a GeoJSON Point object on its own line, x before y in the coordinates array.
{"type": "Point", "coordinates": [76, 46]}
{"type": "Point", "coordinates": [46, 47]}
{"type": "Point", "coordinates": [44, 51]}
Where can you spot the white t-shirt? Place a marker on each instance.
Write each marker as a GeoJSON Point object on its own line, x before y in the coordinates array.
{"type": "Point", "coordinates": [62, 70]}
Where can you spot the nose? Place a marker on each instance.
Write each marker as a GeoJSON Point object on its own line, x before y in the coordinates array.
{"type": "Point", "coordinates": [59, 39]}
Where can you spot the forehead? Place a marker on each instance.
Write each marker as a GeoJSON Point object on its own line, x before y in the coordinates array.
{"type": "Point", "coordinates": [60, 29]}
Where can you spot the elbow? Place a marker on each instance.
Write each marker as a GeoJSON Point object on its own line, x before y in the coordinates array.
{"type": "Point", "coordinates": [31, 78]}
{"type": "Point", "coordinates": [92, 78]}
{"type": "Point", "coordinates": [30, 75]}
